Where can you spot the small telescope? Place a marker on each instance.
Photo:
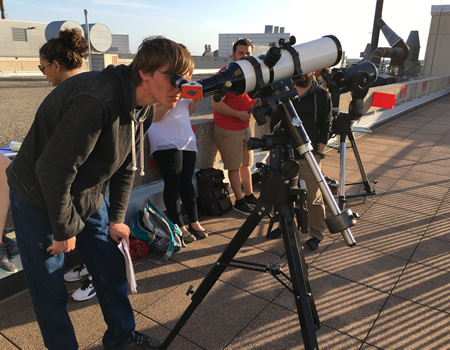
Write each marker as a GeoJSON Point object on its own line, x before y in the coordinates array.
{"type": "Point", "coordinates": [251, 74]}
{"type": "Point", "coordinates": [355, 79]}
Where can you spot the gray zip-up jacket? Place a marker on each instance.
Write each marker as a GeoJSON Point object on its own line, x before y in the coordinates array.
{"type": "Point", "coordinates": [80, 138]}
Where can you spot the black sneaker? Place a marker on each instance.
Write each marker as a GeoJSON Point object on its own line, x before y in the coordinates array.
{"type": "Point", "coordinates": [313, 243]}
{"type": "Point", "coordinates": [142, 341]}
{"type": "Point", "coordinates": [275, 234]}
{"type": "Point", "coordinates": [251, 199]}
{"type": "Point", "coordinates": [242, 207]}
{"type": "Point", "coordinates": [5, 264]}
{"type": "Point", "coordinates": [11, 247]}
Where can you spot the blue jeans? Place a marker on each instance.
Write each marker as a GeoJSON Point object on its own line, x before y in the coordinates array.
{"type": "Point", "coordinates": [44, 274]}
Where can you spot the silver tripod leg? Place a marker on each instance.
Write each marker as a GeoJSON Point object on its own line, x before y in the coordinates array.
{"type": "Point", "coordinates": [342, 173]}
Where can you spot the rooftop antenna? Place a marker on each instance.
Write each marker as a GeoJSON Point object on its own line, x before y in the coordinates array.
{"type": "Point", "coordinates": [376, 28]}
{"type": "Point", "coordinates": [2, 8]}
{"type": "Point", "coordinates": [87, 38]}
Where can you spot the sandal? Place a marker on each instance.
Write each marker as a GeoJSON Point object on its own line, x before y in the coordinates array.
{"type": "Point", "coordinates": [189, 239]}
{"type": "Point", "coordinates": [199, 234]}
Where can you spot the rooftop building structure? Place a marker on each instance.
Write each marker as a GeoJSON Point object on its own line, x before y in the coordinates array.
{"type": "Point", "coordinates": [23, 39]}
{"type": "Point", "coordinates": [261, 41]}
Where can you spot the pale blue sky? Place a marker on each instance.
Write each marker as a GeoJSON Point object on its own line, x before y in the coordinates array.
{"type": "Point", "coordinates": [196, 23]}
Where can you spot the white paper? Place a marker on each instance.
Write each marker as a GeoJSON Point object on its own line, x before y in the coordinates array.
{"type": "Point", "coordinates": [123, 246]}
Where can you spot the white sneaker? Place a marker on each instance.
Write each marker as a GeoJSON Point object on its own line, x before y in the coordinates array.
{"type": "Point", "coordinates": [77, 274]}
{"type": "Point", "coordinates": [85, 292]}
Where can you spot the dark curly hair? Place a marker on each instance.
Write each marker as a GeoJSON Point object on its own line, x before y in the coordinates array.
{"type": "Point", "coordinates": [69, 49]}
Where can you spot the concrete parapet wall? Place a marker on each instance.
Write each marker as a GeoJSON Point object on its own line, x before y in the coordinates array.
{"type": "Point", "coordinates": [215, 63]}
{"type": "Point", "coordinates": [26, 65]}
{"type": "Point", "coordinates": [410, 94]}
{"type": "Point", "coordinates": [404, 91]}
{"type": "Point", "coordinates": [12, 64]}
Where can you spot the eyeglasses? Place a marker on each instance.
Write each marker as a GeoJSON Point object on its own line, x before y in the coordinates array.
{"type": "Point", "coordinates": [172, 78]}
{"type": "Point", "coordinates": [165, 74]}
{"type": "Point", "coordinates": [42, 67]}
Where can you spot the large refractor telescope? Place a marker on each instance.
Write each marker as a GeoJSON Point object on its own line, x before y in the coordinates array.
{"type": "Point", "coordinates": [251, 74]}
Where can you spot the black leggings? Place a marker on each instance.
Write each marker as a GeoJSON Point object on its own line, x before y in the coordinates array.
{"type": "Point", "coordinates": [177, 168]}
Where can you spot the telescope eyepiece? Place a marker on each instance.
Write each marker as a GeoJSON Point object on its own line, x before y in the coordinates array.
{"type": "Point", "coordinates": [176, 81]}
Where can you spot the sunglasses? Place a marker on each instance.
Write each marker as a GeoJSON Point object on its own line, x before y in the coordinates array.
{"type": "Point", "coordinates": [165, 74]}
{"type": "Point", "coordinates": [173, 79]}
{"type": "Point", "coordinates": [42, 67]}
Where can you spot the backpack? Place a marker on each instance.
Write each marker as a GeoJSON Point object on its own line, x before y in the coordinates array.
{"type": "Point", "coordinates": [213, 197]}
{"type": "Point", "coordinates": [138, 249]}
{"type": "Point", "coordinates": [153, 227]}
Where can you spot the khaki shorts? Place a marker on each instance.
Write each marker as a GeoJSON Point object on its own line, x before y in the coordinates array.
{"type": "Point", "coordinates": [232, 145]}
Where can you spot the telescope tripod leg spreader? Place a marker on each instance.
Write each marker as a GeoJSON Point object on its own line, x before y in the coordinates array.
{"type": "Point", "coordinates": [283, 209]}
{"type": "Point", "coordinates": [368, 190]}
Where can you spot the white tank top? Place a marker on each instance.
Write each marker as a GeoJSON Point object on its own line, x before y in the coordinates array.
{"type": "Point", "coordinates": [174, 130]}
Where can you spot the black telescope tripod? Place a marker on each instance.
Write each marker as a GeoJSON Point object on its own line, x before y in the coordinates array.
{"type": "Point", "coordinates": [279, 190]}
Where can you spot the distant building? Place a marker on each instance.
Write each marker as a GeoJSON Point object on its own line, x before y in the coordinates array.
{"type": "Point", "coordinates": [21, 38]}
{"type": "Point", "coordinates": [261, 41]}
{"type": "Point", "coordinates": [25, 38]}
{"type": "Point", "coordinates": [120, 44]}
{"type": "Point", "coordinates": [208, 51]}
{"type": "Point", "coordinates": [438, 44]}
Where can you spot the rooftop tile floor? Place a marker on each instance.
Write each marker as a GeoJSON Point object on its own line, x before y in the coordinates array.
{"type": "Point", "coordinates": [390, 291]}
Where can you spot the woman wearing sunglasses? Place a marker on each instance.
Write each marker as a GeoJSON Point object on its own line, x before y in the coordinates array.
{"type": "Point", "coordinates": [61, 57]}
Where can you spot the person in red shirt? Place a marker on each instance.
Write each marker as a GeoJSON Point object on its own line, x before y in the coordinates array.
{"type": "Point", "coordinates": [231, 133]}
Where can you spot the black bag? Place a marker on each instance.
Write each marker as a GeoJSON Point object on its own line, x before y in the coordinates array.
{"type": "Point", "coordinates": [210, 178]}
{"type": "Point", "coordinates": [213, 197]}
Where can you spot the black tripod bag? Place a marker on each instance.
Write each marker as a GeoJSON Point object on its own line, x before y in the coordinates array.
{"type": "Point", "coordinates": [213, 197]}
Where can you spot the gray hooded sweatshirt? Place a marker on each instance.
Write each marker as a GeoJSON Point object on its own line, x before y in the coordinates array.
{"type": "Point", "coordinates": [81, 137]}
